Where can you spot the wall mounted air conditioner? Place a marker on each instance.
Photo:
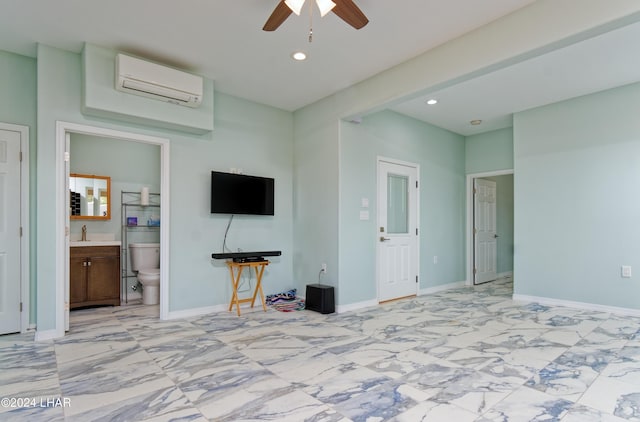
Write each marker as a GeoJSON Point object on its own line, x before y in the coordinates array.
{"type": "Point", "coordinates": [163, 83]}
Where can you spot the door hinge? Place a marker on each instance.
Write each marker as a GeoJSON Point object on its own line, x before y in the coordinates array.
{"type": "Point", "coordinates": [416, 184]}
{"type": "Point", "coordinates": [475, 270]}
{"type": "Point", "coordinates": [20, 306]}
{"type": "Point", "coordinates": [20, 231]}
{"type": "Point", "coordinates": [20, 156]}
{"type": "Point", "coordinates": [416, 279]}
{"type": "Point", "coordinates": [416, 231]}
{"type": "Point", "coordinates": [475, 231]}
{"type": "Point", "coordinates": [66, 156]}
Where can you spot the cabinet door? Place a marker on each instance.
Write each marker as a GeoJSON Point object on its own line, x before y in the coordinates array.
{"type": "Point", "coordinates": [77, 280]}
{"type": "Point", "coordinates": [103, 281]}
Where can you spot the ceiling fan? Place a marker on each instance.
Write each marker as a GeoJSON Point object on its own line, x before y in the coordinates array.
{"type": "Point", "coordinates": [345, 9]}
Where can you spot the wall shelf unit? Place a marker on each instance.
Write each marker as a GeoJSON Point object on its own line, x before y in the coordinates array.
{"type": "Point", "coordinates": [136, 218]}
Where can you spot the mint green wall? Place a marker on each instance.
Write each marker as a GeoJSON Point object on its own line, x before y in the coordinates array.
{"type": "Point", "coordinates": [18, 90]}
{"type": "Point", "coordinates": [489, 151]}
{"type": "Point", "coordinates": [254, 137]}
{"type": "Point", "coordinates": [58, 99]}
{"type": "Point", "coordinates": [440, 155]}
{"type": "Point", "coordinates": [576, 198]}
{"type": "Point", "coordinates": [18, 82]}
{"type": "Point", "coordinates": [316, 175]}
{"type": "Point", "coordinates": [504, 221]}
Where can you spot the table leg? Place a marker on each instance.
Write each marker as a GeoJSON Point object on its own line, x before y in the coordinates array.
{"type": "Point", "coordinates": [259, 287]}
{"type": "Point", "coordinates": [235, 282]}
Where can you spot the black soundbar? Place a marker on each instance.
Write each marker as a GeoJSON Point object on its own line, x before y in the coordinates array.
{"type": "Point", "coordinates": [245, 256]}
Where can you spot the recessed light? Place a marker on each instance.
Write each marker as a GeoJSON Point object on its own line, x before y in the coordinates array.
{"type": "Point", "coordinates": [476, 122]}
{"type": "Point", "coordinates": [432, 101]}
{"type": "Point", "coordinates": [299, 56]}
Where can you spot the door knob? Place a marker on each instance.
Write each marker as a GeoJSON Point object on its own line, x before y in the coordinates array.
{"type": "Point", "coordinates": [384, 239]}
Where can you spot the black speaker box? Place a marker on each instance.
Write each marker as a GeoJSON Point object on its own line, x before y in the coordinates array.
{"type": "Point", "coordinates": [320, 298]}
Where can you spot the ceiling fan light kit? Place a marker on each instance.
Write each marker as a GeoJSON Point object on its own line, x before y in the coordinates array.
{"type": "Point", "coordinates": [295, 5]}
{"type": "Point", "coordinates": [344, 9]}
{"type": "Point", "coordinates": [325, 6]}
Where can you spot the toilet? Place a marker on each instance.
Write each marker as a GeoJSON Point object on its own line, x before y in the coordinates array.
{"type": "Point", "coordinates": [145, 262]}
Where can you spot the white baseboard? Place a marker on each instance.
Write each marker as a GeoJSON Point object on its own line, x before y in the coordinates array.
{"type": "Point", "coordinates": [368, 303]}
{"type": "Point", "coordinates": [355, 306]}
{"type": "Point", "coordinates": [188, 313]}
{"type": "Point", "coordinates": [44, 335]}
{"type": "Point", "coordinates": [505, 274]}
{"type": "Point", "coordinates": [442, 287]}
{"type": "Point", "coordinates": [577, 305]}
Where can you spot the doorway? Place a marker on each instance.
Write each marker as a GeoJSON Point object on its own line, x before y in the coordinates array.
{"type": "Point", "coordinates": [63, 132]}
{"type": "Point", "coordinates": [489, 226]}
{"type": "Point", "coordinates": [14, 228]}
{"type": "Point", "coordinates": [397, 240]}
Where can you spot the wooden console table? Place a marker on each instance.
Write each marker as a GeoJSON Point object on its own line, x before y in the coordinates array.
{"type": "Point", "coordinates": [235, 270]}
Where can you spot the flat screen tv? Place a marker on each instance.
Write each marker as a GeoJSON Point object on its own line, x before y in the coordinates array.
{"type": "Point", "coordinates": [241, 194]}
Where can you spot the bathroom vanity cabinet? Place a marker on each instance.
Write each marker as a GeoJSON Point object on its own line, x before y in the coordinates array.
{"type": "Point", "coordinates": [94, 276]}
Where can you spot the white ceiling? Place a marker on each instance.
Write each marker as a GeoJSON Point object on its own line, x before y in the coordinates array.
{"type": "Point", "coordinates": [223, 40]}
{"type": "Point", "coordinates": [598, 63]}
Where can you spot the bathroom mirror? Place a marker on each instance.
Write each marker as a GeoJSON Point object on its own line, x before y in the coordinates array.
{"type": "Point", "coordinates": [90, 197]}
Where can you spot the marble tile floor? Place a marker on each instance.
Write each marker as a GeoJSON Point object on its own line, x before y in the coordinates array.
{"type": "Point", "coordinates": [468, 354]}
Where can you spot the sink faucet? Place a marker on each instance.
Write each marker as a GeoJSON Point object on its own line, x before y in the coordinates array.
{"type": "Point", "coordinates": [84, 232]}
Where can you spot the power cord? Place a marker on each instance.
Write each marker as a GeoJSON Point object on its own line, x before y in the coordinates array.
{"type": "Point", "coordinates": [226, 249]}
{"type": "Point", "coordinates": [224, 242]}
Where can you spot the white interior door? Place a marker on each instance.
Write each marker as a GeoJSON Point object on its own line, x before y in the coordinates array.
{"type": "Point", "coordinates": [10, 247]}
{"type": "Point", "coordinates": [485, 236]}
{"type": "Point", "coordinates": [397, 230]}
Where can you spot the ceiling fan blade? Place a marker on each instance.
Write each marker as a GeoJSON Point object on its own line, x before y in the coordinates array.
{"type": "Point", "coordinates": [350, 13]}
{"type": "Point", "coordinates": [279, 15]}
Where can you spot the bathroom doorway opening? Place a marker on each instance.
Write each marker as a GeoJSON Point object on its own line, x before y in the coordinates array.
{"type": "Point", "coordinates": [64, 130]}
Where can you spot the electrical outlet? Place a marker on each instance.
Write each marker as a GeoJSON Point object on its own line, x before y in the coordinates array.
{"type": "Point", "coordinates": [626, 271]}
{"type": "Point", "coordinates": [323, 268]}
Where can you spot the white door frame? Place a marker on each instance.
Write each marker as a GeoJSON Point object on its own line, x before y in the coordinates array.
{"type": "Point", "coordinates": [62, 223]}
{"type": "Point", "coordinates": [25, 192]}
{"type": "Point", "coordinates": [470, 177]}
{"type": "Point", "coordinates": [380, 159]}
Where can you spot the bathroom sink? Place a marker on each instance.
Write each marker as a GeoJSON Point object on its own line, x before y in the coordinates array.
{"type": "Point", "coordinates": [80, 243]}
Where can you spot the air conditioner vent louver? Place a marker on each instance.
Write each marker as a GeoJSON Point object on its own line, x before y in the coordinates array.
{"type": "Point", "coordinates": [163, 83]}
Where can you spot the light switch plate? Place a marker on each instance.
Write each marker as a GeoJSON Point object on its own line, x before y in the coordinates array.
{"type": "Point", "coordinates": [626, 271]}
